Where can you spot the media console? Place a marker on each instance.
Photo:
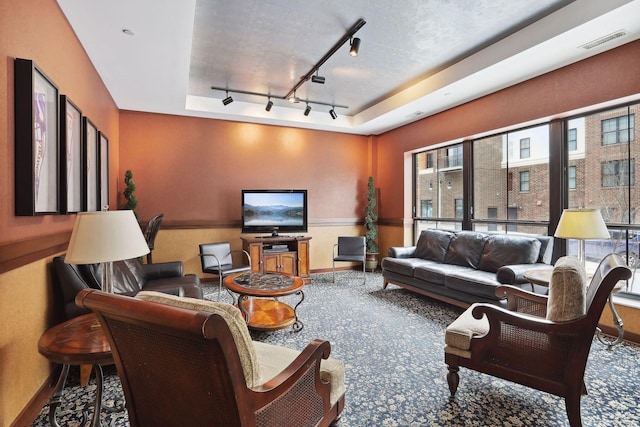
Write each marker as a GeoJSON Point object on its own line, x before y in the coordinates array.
{"type": "Point", "coordinates": [281, 254]}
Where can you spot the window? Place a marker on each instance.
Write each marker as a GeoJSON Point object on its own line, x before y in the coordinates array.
{"type": "Point", "coordinates": [426, 208]}
{"type": "Point", "coordinates": [525, 148]}
{"type": "Point", "coordinates": [618, 130]}
{"type": "Point", "coordinates": [524, 181]}
{"type": "Point", "coordinates": [572, 139]}
{"type": "Point", "coordinates": [459, 208]}
{"type": "Point", "coordinates": [616, 173]}
{"type": "Point", "coordinates": [572, 177]}
{"type": "Point", "coordinates": [454, 157]}
{"type": "Point", "coordinates": [429, 160]}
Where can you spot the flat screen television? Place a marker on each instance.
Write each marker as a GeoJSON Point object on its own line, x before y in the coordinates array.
{"type": "Point", "coordinates": [274, 211]}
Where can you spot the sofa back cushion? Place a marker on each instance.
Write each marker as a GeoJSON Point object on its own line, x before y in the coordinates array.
{"type": "Point", "coordinates": [567, 290]}
{"type": "Point", "coordinates": [502, 249]}
{"type": "Point", "coordinates": [128, 275]}
{"type": "Point", "coordinates": [433, 244]}
{"type": "Point", "coordinates": [466, 249]}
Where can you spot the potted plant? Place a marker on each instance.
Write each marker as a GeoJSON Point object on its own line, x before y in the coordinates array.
{"type": "Point", "coordinates": [132, 201]}
{"type": "Point", "coordinates": [371, 229]}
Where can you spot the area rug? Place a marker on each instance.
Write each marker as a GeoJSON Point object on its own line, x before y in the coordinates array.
{"type": "Point", "coordinates": [392, 344]}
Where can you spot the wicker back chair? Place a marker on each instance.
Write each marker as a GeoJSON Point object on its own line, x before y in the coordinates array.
{"type": "Point", "coordinates": [181, 367]}
{"type": "Point", "coordinates": [518, 345]}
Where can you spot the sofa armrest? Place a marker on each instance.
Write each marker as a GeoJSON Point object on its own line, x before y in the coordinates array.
{"type": "Point", "coordinates": [163, 269]}
{"type": "Point", "coordinates": [514, 274]}
{"type": "Point", "coordinates": [402, 251]}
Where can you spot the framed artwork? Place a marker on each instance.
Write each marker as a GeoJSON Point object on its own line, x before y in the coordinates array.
{"type": "Point", "coordinates": [71, 170]}
{"type": "Point", "coordinates": [36, 141]}
{"type": "Point", "coordinates": [103, 156]}
{"type": "Point", "coordinates": [90, 134]}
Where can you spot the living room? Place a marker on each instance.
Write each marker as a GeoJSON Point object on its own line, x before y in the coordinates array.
{"type": "Point", "coordinates": [211, 160]}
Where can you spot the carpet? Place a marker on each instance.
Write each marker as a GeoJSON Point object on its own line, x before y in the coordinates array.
{"type": "Point", "coordinates": [391, 342]}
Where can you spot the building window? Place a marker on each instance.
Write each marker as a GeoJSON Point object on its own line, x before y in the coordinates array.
{"type": "Point", "coordinates": [524, 181]}
{"type": "Point", "coordinates": [426, 208]}
{"type": "Point", "coordinates": [572, 139]}
{"type": "Point", "coordinates": [525, 148]}
{"type": "Point", "coordinates": [454, 157]}
{"type": "Point", "coordinates": [572, 177]}
{"type": "Point", "coordinates": [616, 173]}
{"type": "Point", "coordinates": [459, 208]}
{"type": "Point", "coordinates": [429, 160]}
{"type": "Point", "coordinates": [618, 130]}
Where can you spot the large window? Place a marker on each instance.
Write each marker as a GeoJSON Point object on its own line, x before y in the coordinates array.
{"type": "Point", "coordinates": [618, 130]}
{"type": "Point", "coordinates": [616, 173]}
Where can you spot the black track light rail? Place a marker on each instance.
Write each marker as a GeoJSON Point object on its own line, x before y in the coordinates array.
{"type": "Point", "coordinates": [348, 35]}
{"type": "Point", "coordinates": [266, 95]}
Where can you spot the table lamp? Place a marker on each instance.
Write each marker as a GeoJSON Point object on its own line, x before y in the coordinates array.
{"type": "Point", "coordinates": [104, 237]}
{"type": "Point", "coordinates": [581, 224]}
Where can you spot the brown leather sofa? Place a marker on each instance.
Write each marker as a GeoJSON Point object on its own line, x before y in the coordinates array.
{"type": "Point", "coordinates": [129, 277]}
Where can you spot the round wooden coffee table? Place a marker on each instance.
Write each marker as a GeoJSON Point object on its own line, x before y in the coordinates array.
{"type": "Point", "coordinates": [264, 312]}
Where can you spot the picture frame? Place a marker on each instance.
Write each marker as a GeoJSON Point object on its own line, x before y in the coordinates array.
{"type": "Point", "coordinates": [71, 157]}
{"type": "Point", "coordinates": [90, 165]}
{"type": "Point", "coordinates": [37, 146]}
{"type": "Point", "coordinates": [103, 176]}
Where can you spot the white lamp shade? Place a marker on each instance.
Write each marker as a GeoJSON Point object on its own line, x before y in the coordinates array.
{"type": "Point", "coordinates": [104, 237]}
{"type": "Point", "coordinates": [582, 224]}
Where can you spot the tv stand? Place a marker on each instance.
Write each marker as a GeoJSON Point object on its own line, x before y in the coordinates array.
{"type": "Point", "coordinates": [280, 254]}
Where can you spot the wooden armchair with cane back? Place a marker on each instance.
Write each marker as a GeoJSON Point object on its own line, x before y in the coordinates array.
{"type": "Point", "coordinates": [547, 353]}
{"type": "Point", "coordinates": [189, 362]}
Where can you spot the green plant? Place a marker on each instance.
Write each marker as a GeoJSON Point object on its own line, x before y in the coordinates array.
{"type": "Point", "coordinates": [132, 202]}
{"type": "Point", "coordinates": [370, 218]}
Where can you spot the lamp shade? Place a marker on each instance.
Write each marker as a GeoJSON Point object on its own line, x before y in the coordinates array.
{"type": "Point", "coordinates": [582, 224]}
{"type": "Point", "coordinates": [104, 237]}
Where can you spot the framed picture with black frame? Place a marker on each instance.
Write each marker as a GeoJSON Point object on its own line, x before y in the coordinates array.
{"type": "Point", "coordinates": [37, 150]}
{"type": "Point", "coordinates": [71, 160]}
{"type": "Point", "coordinates": [91, 165]}
{"type": "Point", "coordinates": [103, 176]}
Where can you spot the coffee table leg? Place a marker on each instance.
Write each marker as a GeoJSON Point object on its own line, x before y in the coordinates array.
{"type": "Point", "coordinates": [619, 326]}
{"type": "Point", "coordinates": [56, 399]}
{"type": "Point", "coordinates": [298, 325]}
{"type": "Point", "coordinates": [245, 313]}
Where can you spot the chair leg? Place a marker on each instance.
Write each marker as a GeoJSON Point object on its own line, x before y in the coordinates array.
{"type": "Point", "coordinates": [149, 258]}
{"type": "Point", "coordinates": [364, 274]}
{"type": "Point", "coordinates": [219, 286]}
{"type": "Point", "coordinates": [453, 379]}
{"type": "Point", "coordinates": [572, 402]}
{"type": "Point", "coordinates": [333, 269]}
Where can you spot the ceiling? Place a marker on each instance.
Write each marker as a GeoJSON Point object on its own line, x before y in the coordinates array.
{"type": "Point", "coordinates": [416, 58]}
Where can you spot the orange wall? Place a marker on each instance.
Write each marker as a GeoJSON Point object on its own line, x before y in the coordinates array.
{"type": "Point", "coordinates": [37, 30]}
{"type": "Point", "coordinates": [601, 78]}
{"type": "Point", "coordinates": [193, 169]}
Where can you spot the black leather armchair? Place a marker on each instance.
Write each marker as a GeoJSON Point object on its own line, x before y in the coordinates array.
{"type": "Point", "coordinates": [129, 277]}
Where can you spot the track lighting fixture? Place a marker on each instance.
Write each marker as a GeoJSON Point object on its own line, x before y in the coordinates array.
{"type": "Point", "coordinates": [293, 99]}
{"type": "Point", "coordinates": [355, 46]}
{"type": "Point", "coordinates": [332, 113]}
{"type": "Point", "coordinates": [269, 105]}
{"type": "Point", "coordinates": [307, 110]}
{"type": "Point", "coordinates": [317, 79]}
{"type": "Point", "coordinates": [228, 100]}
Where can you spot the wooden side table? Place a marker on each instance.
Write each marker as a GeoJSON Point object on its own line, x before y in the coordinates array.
{"type": "Point", "coordinates": [542, 277]}
{"type": "Point", "coordinates": [78, 341]}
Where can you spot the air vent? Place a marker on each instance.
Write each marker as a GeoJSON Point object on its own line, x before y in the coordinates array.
{"type": "Point", "coordinates": [604, 39]}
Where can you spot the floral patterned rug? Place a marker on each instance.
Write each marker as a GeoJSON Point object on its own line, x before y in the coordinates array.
{"type": "Point", "coordinates": [391, 342]}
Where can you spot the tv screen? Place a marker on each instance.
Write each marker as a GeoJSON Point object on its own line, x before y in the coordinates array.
{"type": "Point", "coordinates": [274, 211]}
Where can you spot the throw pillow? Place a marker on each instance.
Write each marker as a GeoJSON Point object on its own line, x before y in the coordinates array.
{"type": "Point", "coordinates": [466, 249]}
{"type": "Point", "coordinates": [433, 244]}
{"type": "Point", "coordinates": [502, 249]}
{"type": "Point", "coordinates": [231, 315]}
{"type": "Point", "coordinates": [567, 290]}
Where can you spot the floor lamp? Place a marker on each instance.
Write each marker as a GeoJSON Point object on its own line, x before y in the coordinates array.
{"type": "Point", "coordinates": [582, 224]}
{"type": "Point", "coordinates": [104, 237]}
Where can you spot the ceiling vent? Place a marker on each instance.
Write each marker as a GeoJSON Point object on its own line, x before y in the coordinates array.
{"type": "Point", "coordinates": [604, 39]}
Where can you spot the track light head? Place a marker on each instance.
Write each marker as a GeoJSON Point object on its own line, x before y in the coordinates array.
{"type": "Point", "coordinates": [228, 100]}
{"type": "Point", "coordinates": [333, 114]}
{"type": "Point", "coordinates": [269, 105]}
{"type": "Point", "coordinates": [317, 79]}
{"type": "Point", "coordinates": [307, 110]}
{"type": "Point", "coordinates": [293, 98]}
{"type": "Point", "coordinates": [355, 46]}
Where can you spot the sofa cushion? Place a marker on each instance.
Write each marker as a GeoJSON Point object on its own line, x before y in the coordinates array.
{"type": "Point", "coordinates": [466, 249]}
{"type": "Point", "coordinates": [567, 290]}
{"type": "Point", "coordinates": [234, 319]}
{"type": "Point", "coordinates": [433, 244]}
{"type": "Point", "coordinates": [474, 282]}
{"type": "Point", "coordinates": [502, 249]}
{"type": "Point", "coordinates": [404, 266]}
{"type": "Point", "coordinates": [436, 273]}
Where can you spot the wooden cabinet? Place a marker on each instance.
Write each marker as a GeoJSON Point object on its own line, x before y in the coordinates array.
{"type": "Point", "coordinates": [282, 254]}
